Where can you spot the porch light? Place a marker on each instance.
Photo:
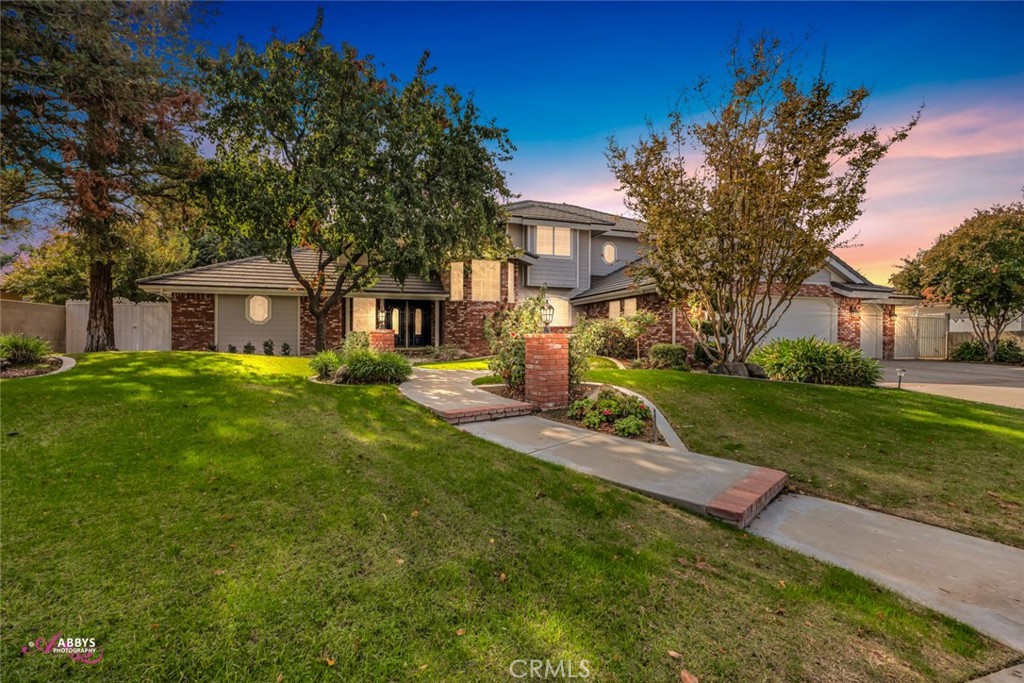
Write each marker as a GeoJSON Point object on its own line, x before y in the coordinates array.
{"type": "Point", "coordinates": [547, 314]}
{"type": "Point", "coordinates": [380, 318]}
{"type": "Point", "coordinates": [900, 372]}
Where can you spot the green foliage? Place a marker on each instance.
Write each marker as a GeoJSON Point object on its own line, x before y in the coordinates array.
{"type": "Point", "coordinates": [813, 361]}
{"type": "Point", "coordinates": [978, 268]}
{"type": "Point", "coordinates": [782, 172]}
{"type": "Point", "coordinates": [249, 348]}
{"type": "Point", "coordinates": [268, 347]}
{"type": "Point", "coordinates": [316, 148]}
{"type": "Point", "coordinates": [21, 349]}
{"type": "Point", "coordinates": [355, 341]}
{"type": "Point", "coordinates": [613, 411]}
{"type": "Point", "coordinates": [636, 326]}
{"type": "Point", "coordinates": [446, 352]}
{"type": "Point", "coordinates": [614, 343]}
{"type": "Point", "coordinates": [1008, 351]}
{"type": "Point", "coordinates": [286, 349]}
{"type": "Point", "coordinates": [669, 356]}
{"type": "Point", "coordinates": [325, 364]}
{"type": "Point", "coordinates": [210, 346]}
{"type": "Point", "coordinates": [366, 366]}
{"type": "Point", "coordinates": [707, 354]}
{"type": "Point", "coordinates": [232, 348]}
{"type": "Point", "coordinates": [583, 343]}
{"type": "Point", "coordinates": [629, 426]}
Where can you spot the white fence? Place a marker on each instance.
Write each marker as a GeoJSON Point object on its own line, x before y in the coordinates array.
{"type": "Point", "coordinates": [920, 336]}
{"type": "Point", "coordinates": [137, 327]}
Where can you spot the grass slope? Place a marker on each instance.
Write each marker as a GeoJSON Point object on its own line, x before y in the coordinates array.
{"type": "Point", "coordinates": [216, 517]}
{"type": "Point", "coordinates": [942, 461]}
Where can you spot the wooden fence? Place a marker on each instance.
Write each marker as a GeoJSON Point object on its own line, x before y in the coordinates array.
{"type": "Point", "coordinates": [137, 327]}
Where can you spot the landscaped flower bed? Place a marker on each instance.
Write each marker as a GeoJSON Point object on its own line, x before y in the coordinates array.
{"type": "Point", "coordinates": [24, 356]}
{"type": "Point", "coordinates": [610, 411]}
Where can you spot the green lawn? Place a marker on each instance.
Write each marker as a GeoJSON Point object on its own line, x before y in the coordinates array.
{"type": "Point", "coordinates": [214, 517]}
{"type": "Point", "coordinates": [938, 460]}
{"type": "Point", "coordinates": [471, 364]}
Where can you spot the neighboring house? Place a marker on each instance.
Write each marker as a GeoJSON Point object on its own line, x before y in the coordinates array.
{"type": "Point", "coordinates": [580, 255]}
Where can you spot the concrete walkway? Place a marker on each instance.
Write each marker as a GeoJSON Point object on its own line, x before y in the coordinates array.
{"type": "Point", "coordinates": [979, 582]}
{"type": "Point", "coordinates": [1001, 385]}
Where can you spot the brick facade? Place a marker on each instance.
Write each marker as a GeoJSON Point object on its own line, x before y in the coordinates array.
{"type": "Point", "coordinates": [661, 331]}
{"type": "Point", "coordinates": [382, 340]}
{"type": "Point", "coordinates": [463, 321]}
{"type": "Point", "coordinates": [888, 332]}
{"type": "Point", "coordinates": [849, 321]}
{"type": "Point", "coordinates": [547, 370]}
{"type": "Point", "coordinates": [307, 327]}
{"type": "Point", "coordinates": [193, 321]}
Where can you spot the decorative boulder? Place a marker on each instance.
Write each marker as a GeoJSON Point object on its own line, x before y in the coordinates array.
{"type": "Point", "coordinates": [756, 371]}
{"type": "Point", "coordinates": [341, 375]}
{"type": "Point", "coordinates": [737, 369]}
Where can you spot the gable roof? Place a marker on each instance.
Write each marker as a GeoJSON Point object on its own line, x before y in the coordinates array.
{"type": "Point", "coordinates": [569, 213]}
{"type": "Point", "coordinates": [258, 273]}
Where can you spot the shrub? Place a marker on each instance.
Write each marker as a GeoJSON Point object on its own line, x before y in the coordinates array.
{"type": "Point", "coordinates": [1007, 351]}
{"type": "Point", "coordinates": [814, 361]}
{"type": "Point", "coordinates": [613, 341]}
{"type": "Point", "coordinates": [232, 348]}
{"type": "Point", "coordinates": [268, 347]}
{"type": "Point", "coordinates": [629, 426]}
{"type": "Point", "coordinates": [370, 367]}
{"type": "Point", "coordinates": [636, 326]}
{"type": "Point", "coordinates": [286, 349]}
{"type": "Point", "coordinates": [446, 352]}
{"type": "Point", "coordinates": [669, 356]}
{"type": "Point", "coordinates": [325, 364]}
{"type": "Point", "coordinates": [249, 348]}
{"type": "Point", "coordinates": [210, 346]}
{"type": "Point", "coordinates": [22, 349]}
{"type": "Point", "coordinates": [355, 341]}
{"type": "Point", "coordinates": [706, 357]}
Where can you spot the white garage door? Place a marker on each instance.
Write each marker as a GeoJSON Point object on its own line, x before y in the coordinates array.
{"type": "Point", "coordinates": [811, 317]}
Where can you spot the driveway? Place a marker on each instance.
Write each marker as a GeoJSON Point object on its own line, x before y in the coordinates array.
{"type": "Point", "coordinates": [999, 384]}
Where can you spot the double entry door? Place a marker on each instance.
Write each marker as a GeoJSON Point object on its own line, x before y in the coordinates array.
{"type": "Point", "coordinates": [410, 320]}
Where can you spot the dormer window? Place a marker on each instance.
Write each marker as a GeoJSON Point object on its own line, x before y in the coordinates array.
{"type": "Point", "coordinates": [608, 253]}
{"type": "Point", "coordinates": [553, 241]}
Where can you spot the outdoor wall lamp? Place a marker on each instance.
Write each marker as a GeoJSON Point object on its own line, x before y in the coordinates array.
{"type": "Point", "coordinates": [899, 377]}
{"type": "Point", "coordinates": [380, 318]}
{"type": "Point", "coordinates": [547, 314]}
{"type": "Point", "coordinates": [854, 308]}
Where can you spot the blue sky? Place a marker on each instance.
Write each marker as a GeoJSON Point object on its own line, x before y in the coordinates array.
{"type": "Point", "coordinates": [562, 77]}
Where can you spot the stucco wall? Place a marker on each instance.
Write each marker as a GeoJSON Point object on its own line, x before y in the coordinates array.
{"type": "Point", "coordinates": [45, 321]}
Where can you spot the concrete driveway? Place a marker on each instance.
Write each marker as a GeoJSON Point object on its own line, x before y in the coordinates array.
{"type": "Point", "coordinates": [999, 384]}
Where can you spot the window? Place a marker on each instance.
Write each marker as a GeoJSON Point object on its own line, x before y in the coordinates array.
{"type": "Point", "coordinates": [553, 241]}
{"type": "Point", "coordinates": [257, 309]}
{"type": "Point", "coordinates": [396, 320]}
{"type": "Point", "coordinates": [457, 284]}
{"type": "Point", "coordinates": [629, 306]}
{"type": "Point", "coordinates": [486, 285]}
{"type": "Point", "coordinates": [614, 309]}
{"type": "Point", "coordinates": [417, 321]}
{"type": "Point", "coordinates": [364, 315]}
{"type": "Point", "coordinates": [608, 253]}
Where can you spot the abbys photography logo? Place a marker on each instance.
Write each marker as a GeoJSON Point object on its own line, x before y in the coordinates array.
{"type": "Point", "coordinates": [82, 650]}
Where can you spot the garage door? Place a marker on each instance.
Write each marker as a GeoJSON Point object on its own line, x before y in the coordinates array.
{"type": "Point", "coordinates": [807, 318]}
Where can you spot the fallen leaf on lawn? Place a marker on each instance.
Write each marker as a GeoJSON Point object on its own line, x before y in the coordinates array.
{"type": "Point", "coordinates": [460, 632]}
{"type": "Point", "coordinates": [426, 501]}
{"type": "Point", "coordinates": [781, 611]}
{"type": "Point", "coordinates": [540, 494]}
{"type": "Point", "coordinates": [674, 655]}
{"type": "Point", "coordinates": [330, 662]}
{"type": "Point", "coordinates": [687, 677]}
{"type": "Point", "coordinates": [682, 560]}
{"type": "Point", "coordinates": [280, 677]}
{"type": "Point", "coordinates": [154, 626]}
{"type": "Point", "coordinates": [226, 518]}
{"type": "Point", "coordinates": [491, 541]}
{"type": "Point", "coordinates": [503, 578]}
{"type": "Point", "coordinates": [399, 561]}
{"type": "Point", "coordinates": [701, 564]}
{"type": "Point", "coordinates": [415, 513]}
{"type": "Point", "coordinates": [782, 583]}
{"type": "Point", "coordinates": [807, 623]}
{"type": "Point", "coordinates": [218, 572]}
{"type": "Point", "coordinates": [423, 667]}
{"type": "Point", "coordinates": [355, 646]}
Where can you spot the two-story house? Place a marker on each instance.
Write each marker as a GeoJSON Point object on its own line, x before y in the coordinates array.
{"type": "Point", "coordinates": [581, 256]}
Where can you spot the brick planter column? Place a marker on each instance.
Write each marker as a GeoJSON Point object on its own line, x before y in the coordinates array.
{"type": "Point", "coordinates": [382, 340]}
{"type": "Point", "coordinates": [547, 370]}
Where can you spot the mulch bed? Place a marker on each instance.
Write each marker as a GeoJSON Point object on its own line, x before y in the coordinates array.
{"type": "Point", "coordinates": [46, 367]}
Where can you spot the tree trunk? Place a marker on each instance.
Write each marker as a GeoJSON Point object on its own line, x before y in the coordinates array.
{"type": "Point", "coordinates": [100, 329]}
{"type": "Point", "coordinates": [991, 349]}
{"type": "Point", "coordinates": [320, 344]}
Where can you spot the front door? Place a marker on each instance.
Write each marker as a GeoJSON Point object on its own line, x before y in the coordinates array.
{"type": "Point", "coordinates": [410, 321]}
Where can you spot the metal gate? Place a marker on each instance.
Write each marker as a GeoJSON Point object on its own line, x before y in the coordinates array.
{"type": "Point", "coordinates": [137, 327]}
{"type": "Point", "coordinates": [920, 336]}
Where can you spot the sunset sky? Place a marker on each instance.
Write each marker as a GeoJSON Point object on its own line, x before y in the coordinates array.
{"type": "Point", "coordinates": [563, 77]}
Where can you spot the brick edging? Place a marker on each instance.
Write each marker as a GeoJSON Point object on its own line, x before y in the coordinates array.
{"type": "Point", "coordinates": [483, 413]}
{"type": "Point", "coordinates": [745, 499]}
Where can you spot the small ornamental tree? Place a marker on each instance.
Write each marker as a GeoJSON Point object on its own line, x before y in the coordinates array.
{"type": "Point", "coordinates": [635, 326]}
{"type": "Point", "coordinates": [743, 203]}
{"type": "Point", "coordinates": [316, 149]}
{"type": "Point", "coordinates": [978, 268]}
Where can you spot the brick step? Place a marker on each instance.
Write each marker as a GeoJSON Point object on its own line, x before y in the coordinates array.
{"type": "Point", "coordinates": [484, 413]}
{"type": "Point", "coordinates": [745, 499]}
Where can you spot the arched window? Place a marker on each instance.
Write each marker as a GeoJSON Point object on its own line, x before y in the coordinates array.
{"type": "Point", "coordinates": [257, 309]}
{"type": "Point", "coordinates": [396, 319]}
{"type": "Point", "coordinates": [608, 253]}
{"type": "Point", "coordinates": [417, 321]}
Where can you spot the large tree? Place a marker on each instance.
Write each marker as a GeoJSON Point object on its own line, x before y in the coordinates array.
{"type": "Point", "coordinates": [744, 197]}
{"type": "Point", "coordinates": [93, 110]}
{"type": "Point", "coordinates": [978, 267]}
{"type": "Point", "coordinates": [315, 149]}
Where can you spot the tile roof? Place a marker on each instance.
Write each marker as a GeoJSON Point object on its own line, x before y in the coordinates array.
{"type": "Point", "coordinates": [259, 272]}
{"type": "Point", "coordinates": [569, 213]}
{"type": "Point", "coordinates": [616, 282]}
